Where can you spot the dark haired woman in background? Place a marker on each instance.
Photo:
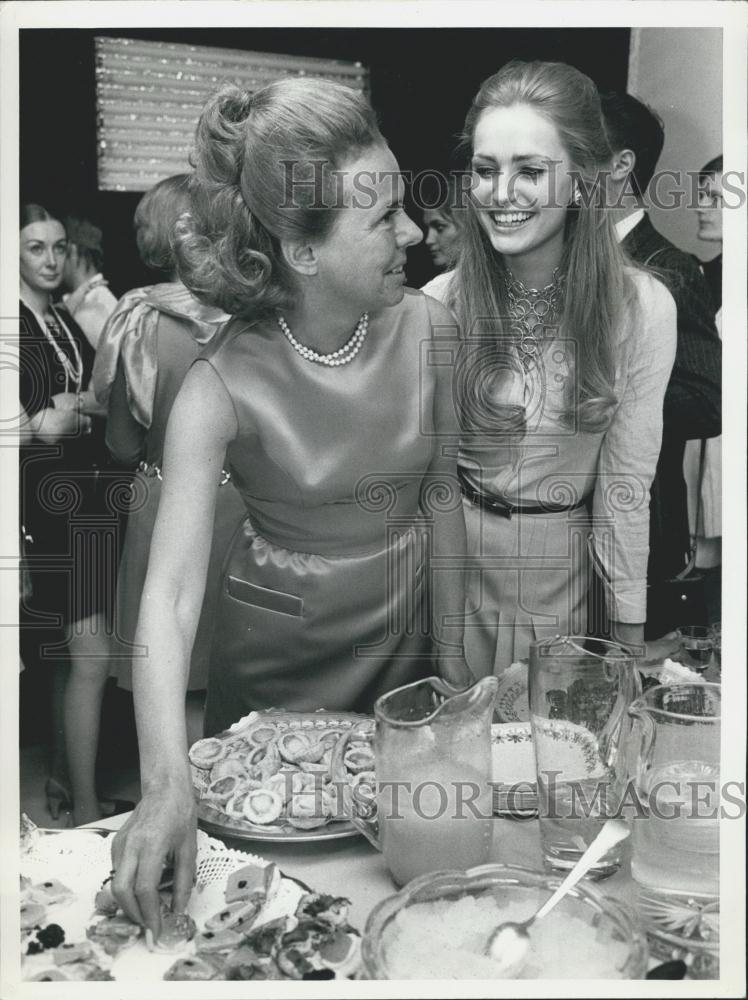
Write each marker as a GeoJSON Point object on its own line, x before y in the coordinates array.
{"type": "Point", "coordinates": [145, 352]}
{"type": "Point", "coordinates": [566, 357]}
{"type": "Point", "coordinates": [314, 398]}
{"type": "Point", "coordinates": [71, 570]}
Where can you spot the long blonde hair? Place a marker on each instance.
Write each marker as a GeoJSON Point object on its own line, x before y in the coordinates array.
{"type": "Point", "coordinates": [597, 287]}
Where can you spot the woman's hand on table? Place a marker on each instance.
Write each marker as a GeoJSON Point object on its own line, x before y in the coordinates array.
{"type": "Point", "coordinates": [162, 827]}
{"type": "Point", "coordinates": [667, 646]}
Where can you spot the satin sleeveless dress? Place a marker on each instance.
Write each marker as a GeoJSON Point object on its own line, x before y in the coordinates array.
{"type": "Point", "coordinates": [324, 602]}
{"type": "Point", "coordinates": [144, 353]}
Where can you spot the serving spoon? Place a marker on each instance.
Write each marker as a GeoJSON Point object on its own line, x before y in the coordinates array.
{"type": "Point", "coordinates": [509, 942]}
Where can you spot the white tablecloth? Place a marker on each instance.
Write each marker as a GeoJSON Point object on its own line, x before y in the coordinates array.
{"type": "Point", "coordinates": [354, 869]}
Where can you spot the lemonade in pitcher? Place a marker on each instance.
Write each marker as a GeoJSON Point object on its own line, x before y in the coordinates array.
{"type": "Point", "coordinates": [432, 751]}
{"type": "Point", "coordinates": [441, 818]}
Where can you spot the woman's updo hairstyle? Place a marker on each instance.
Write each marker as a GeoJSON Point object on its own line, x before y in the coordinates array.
{"type": "Point", "coordinates": [264, 168]}
{"type": "Point", "coordinates": [155, 219]}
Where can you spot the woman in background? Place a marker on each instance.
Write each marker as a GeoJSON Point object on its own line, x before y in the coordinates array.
{"type": "Point", "coordinates": [442, 225]}
{"type": "Point", "coordinates": [70, 574]}
{"type": "Point", "coordinates": [146, 349]}
{"type": "Point", "coordinates": [707, 534]}
{"type": "Point", "coordinates": [567, 352]}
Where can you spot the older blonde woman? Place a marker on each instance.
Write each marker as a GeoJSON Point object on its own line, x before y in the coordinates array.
{"type": "Point", "coordinates": [314, 397]}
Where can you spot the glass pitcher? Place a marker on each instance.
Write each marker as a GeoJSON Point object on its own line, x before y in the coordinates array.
{"type": "Point", "coordinates": [579, 697]}
{"type": "Point", "coordinates": [677, 780]}
{"type": "Point", "coordinates": [432, 752]}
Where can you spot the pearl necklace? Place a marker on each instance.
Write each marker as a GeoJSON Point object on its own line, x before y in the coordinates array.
{"type": "Point", "coordinates": [533, 311]}
{"type": "Point", "coordinates": [342, 356]}
{"type": "Point", "coordinates": [53, 328]}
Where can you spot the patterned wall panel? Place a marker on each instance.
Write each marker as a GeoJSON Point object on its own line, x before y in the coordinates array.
{"type": "Point", "coordinates": [149, 96]}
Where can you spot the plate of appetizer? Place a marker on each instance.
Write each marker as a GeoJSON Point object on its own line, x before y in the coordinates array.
{"type": "Point", "coordinates": [284, 776]}
{"type": "Point", "coordinates": [245, 920]}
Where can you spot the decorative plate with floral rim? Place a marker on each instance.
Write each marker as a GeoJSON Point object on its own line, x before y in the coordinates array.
{"type": "Point", "coordinates": [567, 749]}
{"type": "Point", "coordinates": [512, 703]}
{"type": "Point", "coordinates": [515, 790]}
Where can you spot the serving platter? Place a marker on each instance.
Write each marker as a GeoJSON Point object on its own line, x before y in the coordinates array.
{"type": "Point", "coordinates": [218, 825]}
{"type": "Point", "coordinates": [80, 862]}
{"type": "Point", "coordinates": [272, 729]}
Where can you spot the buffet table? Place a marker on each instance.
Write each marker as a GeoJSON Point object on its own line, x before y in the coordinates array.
{"type": "Point", "coordinates": [354, 869]}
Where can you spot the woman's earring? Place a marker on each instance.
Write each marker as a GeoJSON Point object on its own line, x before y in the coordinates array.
{"type": "Point", "coordinates": [577, 195]}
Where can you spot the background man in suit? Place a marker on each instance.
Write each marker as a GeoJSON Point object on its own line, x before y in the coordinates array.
{"type": "Point", "coordinates": [693, 402]}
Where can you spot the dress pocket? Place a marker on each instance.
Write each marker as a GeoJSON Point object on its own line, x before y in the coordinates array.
{"type": "Point", "coordinates": [263, 597]}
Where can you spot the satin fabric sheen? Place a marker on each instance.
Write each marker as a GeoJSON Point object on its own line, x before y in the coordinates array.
{"type": "Point", "coordinates": [129, 338]}
{"type": "Point", "coordinates": [324, 600]}
{"type": "Point", "coordinates": [150, 344]}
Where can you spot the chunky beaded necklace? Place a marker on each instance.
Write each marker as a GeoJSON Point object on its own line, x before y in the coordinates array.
{"type": "Point", "coordinates": [342, 356]}
{"type": "Point", "coordinates": [533, 311]}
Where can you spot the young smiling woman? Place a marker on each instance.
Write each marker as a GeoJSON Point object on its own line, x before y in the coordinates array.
{"type": "Point", "coordinates": [566, 355]}
{"type": "Point", "coordinates": [314, 397]}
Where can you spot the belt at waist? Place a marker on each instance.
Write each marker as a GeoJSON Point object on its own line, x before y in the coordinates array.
{"type": "Point", "coordinates": [504, 509]}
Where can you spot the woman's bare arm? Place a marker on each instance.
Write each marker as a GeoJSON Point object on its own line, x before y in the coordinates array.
{"type": "Point", "coordinates": [442, 501]}
{"type": "Point", "coordinates": [201, 425]}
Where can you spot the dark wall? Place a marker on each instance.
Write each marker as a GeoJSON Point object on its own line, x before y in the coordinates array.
{"type": "Point", "coordinates": [422, 84]}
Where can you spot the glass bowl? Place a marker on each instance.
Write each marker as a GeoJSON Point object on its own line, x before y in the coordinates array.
{"type": "Point", "coordinates": [683, 927]}
{"type": "Point", "coordinates": [701, 958]}
{"type": "Point", "coordinates": [434, 951]}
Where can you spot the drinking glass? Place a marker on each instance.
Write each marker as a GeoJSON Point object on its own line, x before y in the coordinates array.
{"type": "Point", "coordinates": [696, 646]}
{"type": "Point", "coordinates": [579, 700]}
